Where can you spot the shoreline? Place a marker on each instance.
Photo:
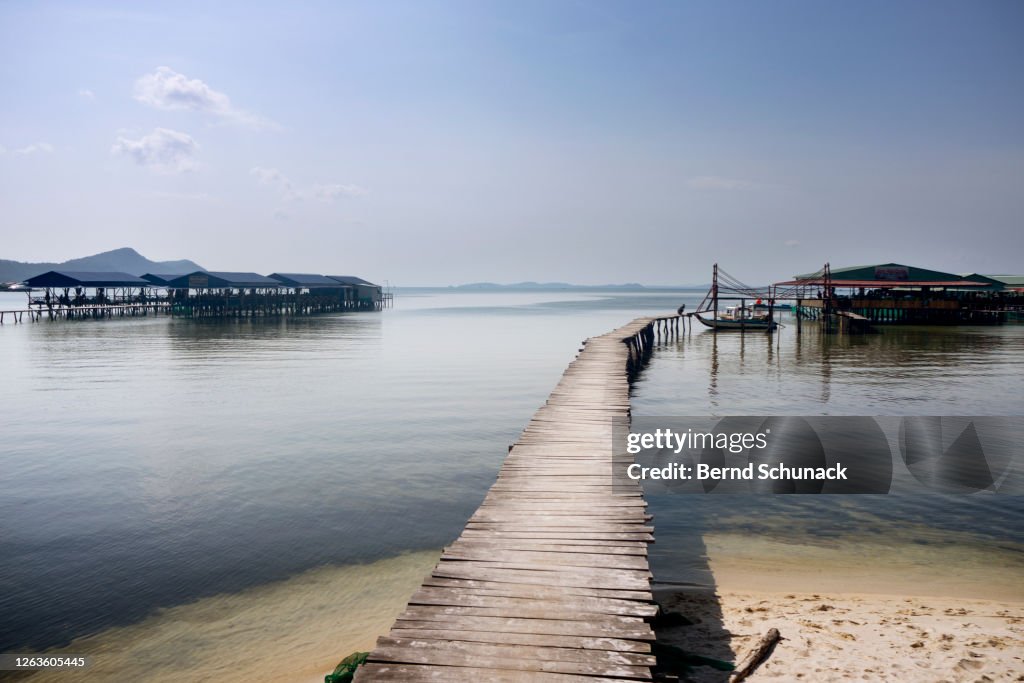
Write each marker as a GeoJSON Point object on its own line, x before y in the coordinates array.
{"type": "Point", "coordinates": [295, 630]}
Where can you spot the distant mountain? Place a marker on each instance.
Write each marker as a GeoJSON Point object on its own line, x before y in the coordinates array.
{"type": "Point", "coordinates": [125, 260]}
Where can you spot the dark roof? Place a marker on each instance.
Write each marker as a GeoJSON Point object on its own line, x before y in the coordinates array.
{"type": "Point", "coordinates": [76, 278]}
{"type": "Point", "coordinates": [885, 271]}
{"type": "Point", "coordinates": [220, 280]}
{"type": "Point", "coordinates": [304, 280]}
{"type": "Point", "coordinates": [992, 284]}
{"type": "Point", "coordinates": [352, 280]}
{"type": "Point", "coordinates": [1009, 280]}
{"type": "Point", "coordinates": [160, 278]}
{"type": "Point", "coordinates": [887, 275]}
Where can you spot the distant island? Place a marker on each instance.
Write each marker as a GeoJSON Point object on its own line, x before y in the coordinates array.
{"type": "Point", "coordinates": [124, 260]}
{"type": "Point", "coordinates": [489, 286]}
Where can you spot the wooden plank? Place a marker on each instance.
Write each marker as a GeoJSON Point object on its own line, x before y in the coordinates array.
{"type": "Point", "coordinates": [519, 556]}
{"type": "Point", "coordinates": [554, 526]}
{"type": "Point", "coordinates": [515, 500]}
{"type": "Point", "coordinates": [553, 652]}
{"type": "Point", "coordinates": [509, 609]}
{"type": "Point", "coordinates": [492, 530]}
{"type": "Point", "coordinates": [536, 590]}
{"type": "Point", "coordinates": [579, 642]}
{"type": "Point", "coordinates": [379, 671]}
{"type": "Point", "coordinates": [477, 570]}
{"type": "Point", "coordinates": [431, 595]}
{"type": "Point", "coordinates": [405, 651]}
{"type": "Point", "coordinates": [599, 575]}
{"type": "Point", "coordinates": [609, 547]}
{"type": "Point", "coordinates": [555, 627]}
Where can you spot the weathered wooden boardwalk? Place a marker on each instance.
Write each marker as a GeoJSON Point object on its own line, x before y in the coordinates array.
{"type": "Point", "coordinates": [549, 580]}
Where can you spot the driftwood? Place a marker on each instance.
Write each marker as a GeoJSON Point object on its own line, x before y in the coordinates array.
{"type": "Point", "coordinates": [756, 656]}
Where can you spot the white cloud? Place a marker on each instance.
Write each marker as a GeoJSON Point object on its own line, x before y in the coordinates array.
{"type": "Point", "coordinates": [87, 94]}
{"type": "Point", "coordinates": [792, 243]}
{"type": "Point", "coordinates": [34, 148]}
{"type": "Point", "coordinates": [328, 193]}
{"type": "Point", "coordinates": [324, 192]}
{"type": "Point", "coordinates": [164, 150]}
{"type": "Point", "coordinates": [169, 90]}
{"type": "Point", "coordinates": [711, 182]}
{"type": "Point", "coordinates": [272, 176]}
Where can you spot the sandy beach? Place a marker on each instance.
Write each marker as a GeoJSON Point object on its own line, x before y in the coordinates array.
{"type": "Point", "coordinates": [852, 636]}
{"type": "Point", "coordinates": [853, 612]}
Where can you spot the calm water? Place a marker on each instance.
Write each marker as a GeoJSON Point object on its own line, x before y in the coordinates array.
{"type": "Point", "coordinates": [147, 463]}
{"type": "Point", "coordinates": [150, 463]}
{"type": "Point", "coordinates": [902, 371]}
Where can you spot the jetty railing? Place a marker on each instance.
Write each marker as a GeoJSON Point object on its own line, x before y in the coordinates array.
{"type": "Point", "coordinates": [549, 579]}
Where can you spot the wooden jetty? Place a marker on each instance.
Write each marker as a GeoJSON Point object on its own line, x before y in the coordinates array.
{"type": "Point", "coordinates": [851, 322]}
{"type": "Point", "coordinates": [75, 295]}
{"type": "Point", "coordinates": [549, 579]}
{"type": "Point", "coordinates": [93, 312]}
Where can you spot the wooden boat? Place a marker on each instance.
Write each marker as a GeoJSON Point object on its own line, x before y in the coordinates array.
{"type": "Point", "coordinates": [742, 317]}
{"type": "Point", "coordinates": [738, 322]}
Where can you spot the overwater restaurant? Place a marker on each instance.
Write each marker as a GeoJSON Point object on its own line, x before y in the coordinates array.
{"type": "Point", "coordinates": [897, 293]}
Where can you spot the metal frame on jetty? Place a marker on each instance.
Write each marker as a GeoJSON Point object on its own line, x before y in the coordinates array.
{"type": "Point", "coordinates": [725, 287]}
{"type": "Point", "coordinates": [549, 579]}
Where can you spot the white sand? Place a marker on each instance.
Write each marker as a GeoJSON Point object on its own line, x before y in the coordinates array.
{"type": "Point", "coordinates": [853, 637]}
{"type": "Point", "coordinates": [856, 611]}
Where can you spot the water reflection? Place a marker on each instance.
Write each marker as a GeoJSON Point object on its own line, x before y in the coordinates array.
{"type": "Point", "coordinates": [152, 462]}
{"type": "Point", "coordinates": [901, 371]}
{"type": "Point", "coordinates": [922, 543]}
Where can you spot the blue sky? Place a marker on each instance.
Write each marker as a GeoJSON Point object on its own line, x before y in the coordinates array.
{"type": "Point", "coordinates": [448, 142]}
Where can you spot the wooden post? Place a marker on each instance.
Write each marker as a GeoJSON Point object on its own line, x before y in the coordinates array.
{"type": "Point", "coordinates": [714, 297]}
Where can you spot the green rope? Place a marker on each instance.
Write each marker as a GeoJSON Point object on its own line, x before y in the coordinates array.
{"type": "Point", "coordinates": [346, 669]}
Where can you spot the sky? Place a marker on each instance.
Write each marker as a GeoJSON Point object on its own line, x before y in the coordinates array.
{"type": "Point", "coordinates": [435, 143]}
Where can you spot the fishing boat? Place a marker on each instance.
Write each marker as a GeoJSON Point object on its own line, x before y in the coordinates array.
{"type": "Point", "coordinates": [736, 318]}
{"type": "Point", "coordinates": [742, 317]}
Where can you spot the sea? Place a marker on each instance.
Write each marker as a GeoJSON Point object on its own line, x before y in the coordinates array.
{"type": "Point", "coordinates": [213, 500]}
